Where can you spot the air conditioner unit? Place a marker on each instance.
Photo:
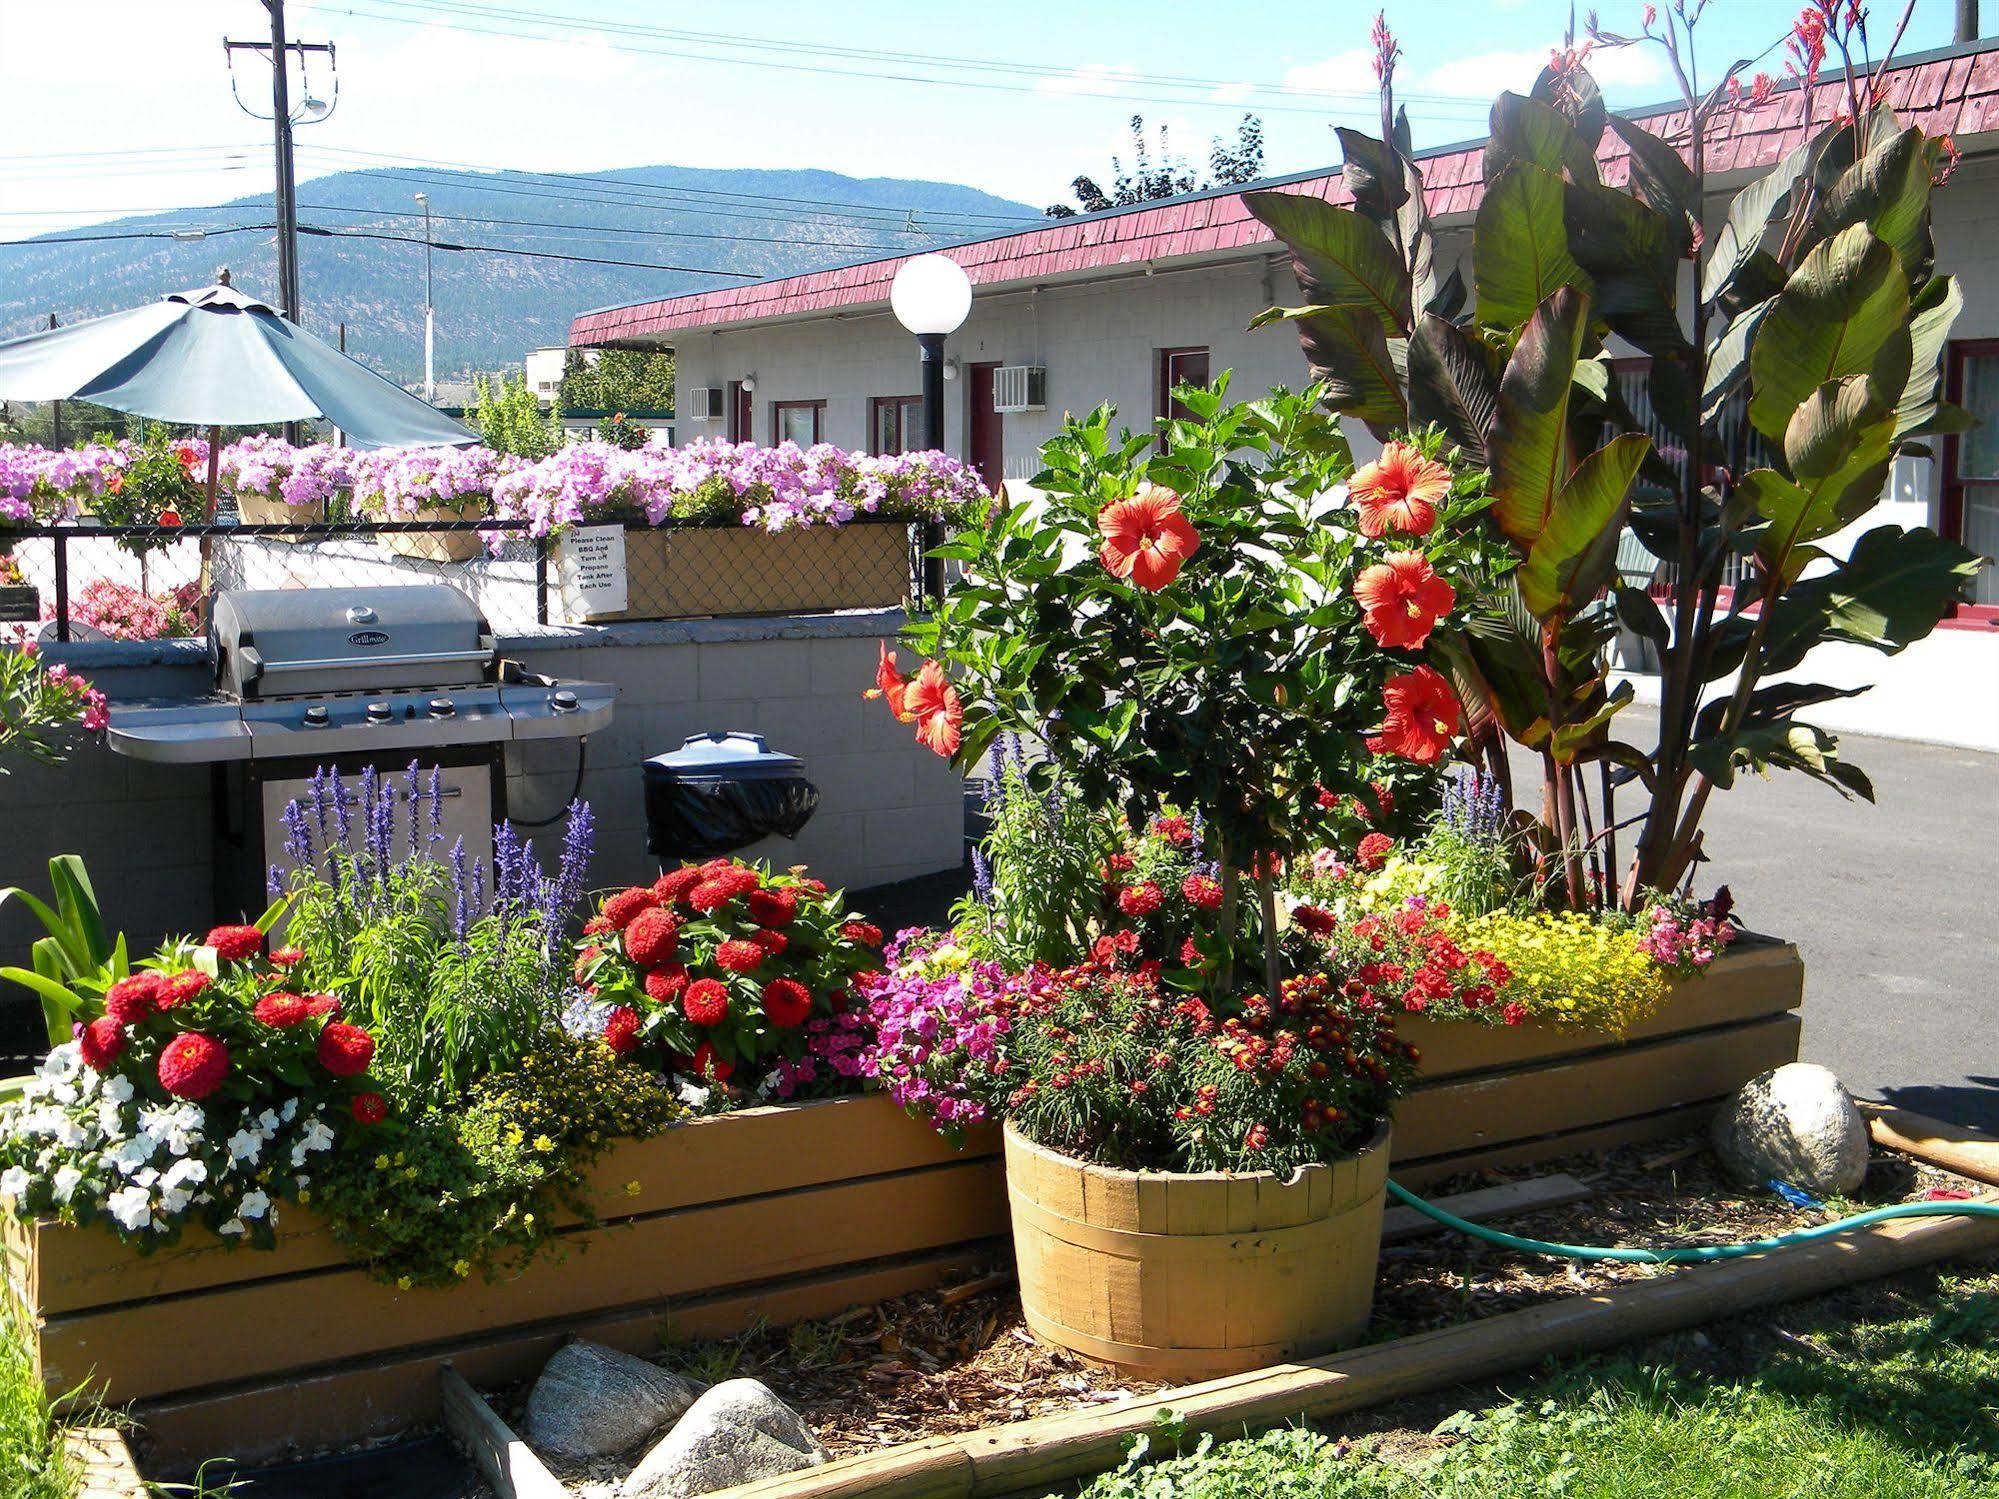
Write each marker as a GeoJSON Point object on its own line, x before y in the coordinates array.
{"type": "Point", "coordinates": [705, 403]}
{"type": "Point", "coordinates": [1020, 387]}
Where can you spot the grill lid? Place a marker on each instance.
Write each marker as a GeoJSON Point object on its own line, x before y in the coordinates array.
{"type": "Point", "coordinates": [282, 642]}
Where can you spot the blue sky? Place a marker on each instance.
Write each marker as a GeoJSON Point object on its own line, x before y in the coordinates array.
{"type": "Point", "coordinates": [142, 117]}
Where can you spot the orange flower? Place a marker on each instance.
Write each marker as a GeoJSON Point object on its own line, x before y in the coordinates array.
{"type": "Point", "coordinates": [1146, 538]}
{"type": "Point", "coordinates": [890, 684]}
{"type": "Point", "coordinates": [1403, 599]}
{"type": "Point", "coordinates": [933, 704]}
{"type": "Point", "coordinates": [1422, 715]}
{"type": "Point", "coordinates": [1399, 491]}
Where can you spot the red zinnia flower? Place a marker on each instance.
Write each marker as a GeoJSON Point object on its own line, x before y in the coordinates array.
{"type": "Point", "coordinates": [934, 707]}
{"type": "Point", "coordinates": [182, 987]}
{"type": "Point", "coordinates": [663, 984]}
{"type": "Point", "coordinates": [1422, 715]}
{"type": "Point", "coordinates": [284, 957]}
{"type": "Point", "coordinates": [133, 998]}
{"type": "Point", "coordinates": [1399, 491]}
{"type": "Point", "coordinates": [1141, 900]}
{"type": "Point", "coordinates": [1404, 599]}
{"type": "Point", "coordinates": [626, 906]}
{"type": "Point", "coordinates": [233, 944]}
{"type": "Point", "coordinates": [1202, 892]}
{"type": "Point", "coordinates": [1190, 953]}
{"type": "Point", "coordinates": [787, 1002]}
{"type": "Point", "coordinates": [773, 907]}
{"type": "Point", "coordinates": [1374, 850]}
{"type": "Point", "coordinates": [370, 1108]}
{"type": "Point", "coordinates": [585, 957]}
{"type": "Point", "coordinates": [596, 926]}
{"type": "Point", "coordinates": [719, 887]}
{"type": "Point", "coordinates": [1146, 538]}
{"type": "Point", "coordinates": [281, 1009]}
{"type": "Point", "coordinates": [773, 942]}
{"type": "Point", "coordinates": [322, 1004]}
{"type": "Point", "coordinates": [706, 1002]}
{"type": "Point", "coordinates": [739, 955]}
{"type": "Point", "coordinates": [890, 684]}
{"type": "Point", "coordinates": [193, 1065]}
{"type": "Point", "coordinates": [651, 938]}
{"type": "Point", "coordinates": [1175, 830]}
{"type": "Point", "coordinates": [345, 1050]}
{"type": "Point", "coordinates": [672, 888]}
{"type": "Point", "coordinates": [706, 1064]}
{"type": "Point", "coordinates": [100, 1042]}
{"type": "Point", "coordinates": [864, 932]}
{"type": "Point", "coordinates": [621, 1030]}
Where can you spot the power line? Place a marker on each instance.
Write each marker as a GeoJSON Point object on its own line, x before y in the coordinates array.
{"type": "Point", "coordinates": [98, 239]}
{"type": "Point", "coordinates": [608, 231]}
{"type": "Point", "coordinates": [326, 232]}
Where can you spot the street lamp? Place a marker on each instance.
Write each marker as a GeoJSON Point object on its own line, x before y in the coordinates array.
{"type": "Point", "coordinates": [429, 312]}
{"type": "Point", "coordinates": [930, 297]}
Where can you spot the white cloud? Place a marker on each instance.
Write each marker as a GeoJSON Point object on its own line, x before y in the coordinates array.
{"type": "Point", "coordinates": [1350, 72]}
{"type": "Point", "coordinates": [1092, 78]}
{"type": "Point", "coordinates": [1232, 93]}
{"type": "Point", "coordinates": [1484, 74]}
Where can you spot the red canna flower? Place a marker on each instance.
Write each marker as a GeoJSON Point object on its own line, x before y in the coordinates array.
{"type": "Point", "coordinates": [933, 704]}
{"type": "Point", "coordinates": [1404, 599]}
{"type": "Point", "coordinates": [1146, 538]}
{"type": "Point", "coordinates": [1422, 715]}
{"type": "Point", "coordinates": [1399, 491]}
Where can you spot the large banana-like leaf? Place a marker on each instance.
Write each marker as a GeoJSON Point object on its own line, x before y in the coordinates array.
{"type": "Point", "coordinates": [1728, 358]}
{"type": "Point", "coordinates": [1531, 448]}
{"type": "Point", "coordinates": [1454, 382]}
{"type": "Point", "coordinates": [1658, 174]}
{"type": "Point", "coordinates": [1349, 349]}
{"type": "Point", "coordinates": [1575, 555]}
{"type": "Point", "coordinates": [1373, 174]}
{"type": "Point", "coordinates": [1888, 190]}
{"type": "Point", "coordinates": [1520, 246]}
{"type": "Point", "coordinates": [1769, 704]}
{"type": "Point", "coordinates": [1932, 310]}
{"type": "Point", "coordinates": [1530, 130]}
{"type": "Point", "coordinates": [1749, 219]}
{"type": "Point", "coordinates": [1838, 447]}
{"type": "Point", "coordinates": [1412, 221]}
{"type": "Point", "coordinates": [1340, 258]}
{"type": "Point", "coordinates": [1844, 312]}
{"type": "Point", "coordinates": [1889, 593]}
{"type": "Point", "coordinates": [1786, 743]}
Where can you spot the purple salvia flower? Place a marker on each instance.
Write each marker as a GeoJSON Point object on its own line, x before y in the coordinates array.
{"type": "Point", "coordinates": [298, 835]}
{"type": "Point", "coordinates": [461, 895]}
{"type": "Point", "coordinates": [982, 877]}
{"type": "Point", "coordinates": [370, 798]}
{"type": "Point", "coordinates": [274, 882]}
{"type": "Point", "coordinates": [572, 871]}
{"type": "Point", "coordinates": [343, 816]}
{"type": "Point", "coordinates": [478, 888]}
{"type": "Point", "coordinates": [414, 784]}
{"type": "Point", "coordinates": [436, 795]}
{"type": "Point", "coordinates": [319, 807]}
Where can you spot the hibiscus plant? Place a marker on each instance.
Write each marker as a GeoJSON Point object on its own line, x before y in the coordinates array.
{"type": "Point", "coordinates": [1196, 620]}
{"type": "Point", "coordinates": [1785, 374]}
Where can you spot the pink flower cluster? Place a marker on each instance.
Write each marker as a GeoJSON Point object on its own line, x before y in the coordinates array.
{"type": "Point", "coordinates": [121, 612]}
{"type": "Point", "coordinates": [1684, 944]}
{"type": "Point", "coordinates": [56, 482]}
{"type": "Point", "coordinates": [93, 712]}
{"type": "Point", "coordinates": [273, 468]}
{"type": "Point", "coordinates": [401, 483]}
{"type": "Point", "coordinates": [835, 1046]}
{"type": "Point", "coordinates": [938, 1030]}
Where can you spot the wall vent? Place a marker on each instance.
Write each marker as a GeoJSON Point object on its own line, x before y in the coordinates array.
{"type": "Point", "coordinates": [705, 403]}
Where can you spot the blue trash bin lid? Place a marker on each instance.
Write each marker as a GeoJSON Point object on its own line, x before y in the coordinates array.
{"type": "Point", "coordinates": [733, 756]}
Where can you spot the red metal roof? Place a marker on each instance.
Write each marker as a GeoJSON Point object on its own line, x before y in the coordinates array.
{"type": "Point", "coordinates": [1956, 94]}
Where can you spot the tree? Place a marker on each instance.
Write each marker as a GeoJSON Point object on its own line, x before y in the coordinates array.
{"type": "Point", "coordinates": [510, 419]}
{"type": "Point", "coordinates": [617, 380]}
{"type": "Point", "coordinates": [1156, 174]}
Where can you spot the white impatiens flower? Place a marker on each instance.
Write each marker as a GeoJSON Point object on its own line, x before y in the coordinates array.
{"type": "Point", "coordinates": [317, 1137]}
{"type": "Point", "coordinates": [190, 1172]}
{"type": "Point", "coordinates": [118, 1089]}
{"type": "Point", "coordinates": [65, 1182]}
{"type": "Point", "coordinates": [268, 1122]}
{"type": "Point", "coordinates": [133, 1154]}
{"type": "Point", "coordinates": [254, 1205]}
{"type": "Point", "coordinates": [131, 1206]}
{"type": "Point", "coordinates": [290, 1111]}
{"type": "Point", "coordinates": [692, 1094]}
{"type": "Point", "coordinates": [245, 1145]}
{"type": "Point", "coordinates": [14, 1183]}
{"type": "Point", "coordinates": [233, 1227]}
{"type": "Point", "coordinates": [111, 1119]}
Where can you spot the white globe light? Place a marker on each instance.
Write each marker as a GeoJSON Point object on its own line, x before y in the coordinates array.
{"type": "Point", "coordinates": [931, 294]}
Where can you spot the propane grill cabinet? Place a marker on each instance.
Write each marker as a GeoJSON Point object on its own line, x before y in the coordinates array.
{"type": "Point", "coordinates": [348, 678]}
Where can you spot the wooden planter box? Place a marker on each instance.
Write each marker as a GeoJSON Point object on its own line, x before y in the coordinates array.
{"type": "Point", "coordinates": [442, 546]}
{"type": "Point", "coordinates": [1506, 1095]}
{"type": "Point", "coordinates": [682, 572]}
{"type": "Point", "coordinates": [262, 510]}
{"type": "Point", "coordinates": [20, 602]}
{"type": "Point", "coordinates": [781, 1213]}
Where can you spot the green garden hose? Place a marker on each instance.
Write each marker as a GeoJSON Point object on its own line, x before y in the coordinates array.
{"type": "Point", "coordinates": [1693, 1253]}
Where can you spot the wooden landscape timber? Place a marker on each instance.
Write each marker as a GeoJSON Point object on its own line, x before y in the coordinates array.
{"type": "Point", "coordinates": [1951, 1146]}
{"type": "Point", "coordinates": [103, 1463]}
{"type": "Point", "coordinates": [508, 1464]}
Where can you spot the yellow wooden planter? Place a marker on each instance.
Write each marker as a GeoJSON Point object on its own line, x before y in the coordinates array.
{"type": "Point", "coordinates": [1189, 1276]}
{"type": "Point", "coordinates": [262, 510]}
{"type": "Point", "coordinates": [682, 572]}
{"type": "Point", "coordinates": [442, 546]}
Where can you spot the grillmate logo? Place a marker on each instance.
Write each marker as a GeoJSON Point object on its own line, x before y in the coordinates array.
{"type": "Point", "coordinates": [368, 637]}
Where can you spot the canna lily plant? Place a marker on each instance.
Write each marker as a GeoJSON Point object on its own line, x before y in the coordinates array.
{"type": "Point", "coordinates": [1794, 353]}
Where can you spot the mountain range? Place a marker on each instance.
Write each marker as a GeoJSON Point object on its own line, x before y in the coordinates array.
{"type": "Point", "coordinates": [492, 308]}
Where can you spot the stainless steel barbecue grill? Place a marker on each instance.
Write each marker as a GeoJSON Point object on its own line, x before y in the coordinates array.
{"type": "Point", "coordinates": [348, 678]}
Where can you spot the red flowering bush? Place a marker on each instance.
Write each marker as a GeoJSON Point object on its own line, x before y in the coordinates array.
{"type": "Point", "coordinates": [727, 972]}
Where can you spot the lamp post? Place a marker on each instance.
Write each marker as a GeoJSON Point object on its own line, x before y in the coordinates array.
{"type": "Point", "coordinates": [930, 297]}
{"type": "Point", "coordinates": [429, 312]}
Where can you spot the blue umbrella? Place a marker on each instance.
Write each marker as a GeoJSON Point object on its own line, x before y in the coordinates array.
{"type": "Point", "coordinates": [216, 358]}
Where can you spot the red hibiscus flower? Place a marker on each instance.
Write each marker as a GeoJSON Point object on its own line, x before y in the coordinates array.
{"type": "Point", "coordinates": [652, 938]}
{"type": "Point", "coordinates": [706, 1002]}
{"type": "Point", "coordinates": [370, 1108]}
{"type": "Point", "coordinates": [621, 1030]}
{"type": "Point", "coordinates": [663, 985]}
{"type": "Point", "coordinates": [345, 1050]}
{"type": "Point", "coordinates": [787, 1002]}
{"type": "Point", "coordinates": [936, 710]}
{"type": "Point", "coordinates": [1146, 538]}
{"type": "Point", "coordinates": [133, 998]}
{"type": "Point", "coordinates": [182, 987]}
{"type": "Point", "coordinates": [193, 1065]}
{"type": "Point", "coordinates": [1403, 599]}
{"type": "Point", "coordinates": [1422, 715]}
{"type": "Point", "coordinates": [100, 1042]}
{"type": "Point", "coordinates": [1374, 850]}
{"type": "Point", "coordinates": [738, 955]}
{"type": "Point", "coordinates": [234, 944]}
{"type": "Point", "coordinates": [773, 907]}
{"type": "Point", "coordinates": [1399, 491]}
{"type": "Point", "coordinates": [622, 909]}
{"type": "Point", "coordinates": [890, 684]}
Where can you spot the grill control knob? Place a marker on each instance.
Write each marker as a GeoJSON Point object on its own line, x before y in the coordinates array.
{"type": "Point", "coordinates": [316, 717]}
{"type": "Point", "coordinates": [380, 713]}
{"type": "Point", "coordinates": [562, 700]}
{"type": "Point", "coordinates": [442, 707]}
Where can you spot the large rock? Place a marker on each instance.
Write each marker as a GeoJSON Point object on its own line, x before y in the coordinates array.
{"type": "Point", "coordinates": [592, 1402]}
{"type": "Point", "coordinates": [737, 1432]}
{"type": "Point", "coordinates": [1797, 1124]}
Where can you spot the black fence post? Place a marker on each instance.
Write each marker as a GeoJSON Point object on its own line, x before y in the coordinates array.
{"type": "Point", "coordinates": [62, 587]}
{"type": "Point", "coordinates": [541, 579]}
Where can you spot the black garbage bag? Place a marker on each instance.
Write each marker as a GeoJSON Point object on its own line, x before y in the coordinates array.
{"type": "Point", "coordinates": [720, 792]}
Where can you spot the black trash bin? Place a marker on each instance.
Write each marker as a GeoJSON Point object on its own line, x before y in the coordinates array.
{"type": "Point", "coordinates": [721, 792]}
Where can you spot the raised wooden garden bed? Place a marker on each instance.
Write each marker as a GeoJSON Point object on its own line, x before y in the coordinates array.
{"type": "Point", "coordinates": [781, 1213]}
{"type": "Point", "coordinates": [684, 572]}
{"type": "Point", "coordinates": [1505, 1096]}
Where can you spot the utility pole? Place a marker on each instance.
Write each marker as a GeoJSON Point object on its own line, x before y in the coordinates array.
{"type": "Point", "coordinates": [55, 407]}
{"type": "Point", "coordinates": [1967, 20]}
{"type": "Point", "coordinates": [429, 312]}
{"type": "Point", "coordinates": [310, 110]}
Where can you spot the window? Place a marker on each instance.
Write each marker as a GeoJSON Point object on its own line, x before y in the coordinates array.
{"type": "Point", "coordinates": [895, 424]}
{"type": "Point", "coordinates": [801, 422]}
{"type": "Point", "coordinates": [1970, 508]}
{"type": "Point", "coordinates": [1178, 367]}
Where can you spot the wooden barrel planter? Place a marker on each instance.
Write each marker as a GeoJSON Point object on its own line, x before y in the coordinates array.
{"type": "Point", "coordinates": [1184, 1276]}
{"type": "Point", "coordinates": [685, 572]}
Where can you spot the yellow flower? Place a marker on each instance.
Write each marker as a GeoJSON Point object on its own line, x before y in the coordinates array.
{"type": "Point", "coordinates": [515, 1134]}
{"type": "Point", "coordinates": [404, 1283]}
{"type": "Point", "coordinates": [462, 1269]}
{"type": "Point", "coordinates": [543, 1143]}
{"type": "Point", "coordinates": [381, 1163]}
{"type": "Point", "coordinates": [631, 1189]}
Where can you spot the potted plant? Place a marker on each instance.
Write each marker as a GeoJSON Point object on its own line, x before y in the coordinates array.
{"type": "Point", "coordinates": [274, 482]}
{"type": "Point", "coordinates": [429, 484]}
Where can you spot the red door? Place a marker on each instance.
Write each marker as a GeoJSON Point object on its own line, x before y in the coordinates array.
{"type": "Point", "coordinates": [986, 444]}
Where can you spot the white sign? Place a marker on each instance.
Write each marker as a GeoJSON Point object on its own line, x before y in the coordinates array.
{"type": "Point", "coordinates": [593, 562]}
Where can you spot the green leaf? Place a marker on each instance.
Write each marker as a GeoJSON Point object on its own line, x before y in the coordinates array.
{"type": "Point", "coordinates": [1631, 253]}
{"type": "Point", "coordinates": [1568, 742]}
{"type": "Point", "coordinates": [1640, 613]}
{"type": "Point", "coordinates": [1843, 312]}
{"type": "Point", "coordinates": [1888, 190]}
{"type": "Point", "coordinates": [1658, 173]}
{"type": "Point", "coordinates": [1576, 553]}
{"type": "Point", "coordinates": [1531, 130]}
{"type": "Point", "coordinates": [1728, 358]}
{"type": "Point", "coordinates": [1453, 383]}
{"type": "Point", "coordinates": [1575, 94]}
{"type": "Point", "coordinates": [1889, 593]}
{"type": "Point", "coordinates": [1793, 746]}
{"type": "Point", "coordinates": [1749, 218]}
{"type": "Point", "coordinates": [1932, 310]}
{"type": "Point", "coordinates": [1372, 173]}
{"type": "Point", "coordinates": [1768, 705]}
{"type": "Point", "coordinates": [1350, 351]}
{"type": "Point", "coordinates": [1520, 247]}
{"type": "Point", "coordinates": [1341, 260]}
{"type": "Point", "coordinates": [1838, 446]}
{"type": "Point", "coordinates": [1530, 438]}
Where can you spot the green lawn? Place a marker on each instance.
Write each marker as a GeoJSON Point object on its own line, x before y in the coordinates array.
{"type": "Point", "coordinates": [1891, 1393]}
{"type": "Point", "coordinates": [31, 1465]}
